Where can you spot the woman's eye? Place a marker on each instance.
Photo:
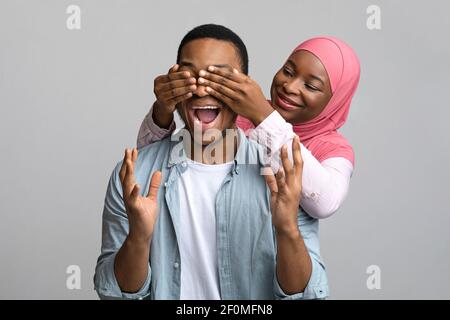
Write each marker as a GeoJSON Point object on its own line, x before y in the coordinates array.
{"type": "Point", "coordinates": [311, 87]}
{"type": "Point", "coordinates": [287, 72]}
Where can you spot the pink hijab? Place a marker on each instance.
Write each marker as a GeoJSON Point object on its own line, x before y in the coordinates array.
{"type": "Point", "coordinates": [320, 134]}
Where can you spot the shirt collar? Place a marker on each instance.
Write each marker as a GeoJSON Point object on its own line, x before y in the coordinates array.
{"type": "Point", "coordinates": [177, 153]}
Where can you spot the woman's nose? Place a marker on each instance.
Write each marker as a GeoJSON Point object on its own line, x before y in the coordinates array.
{"type": "Point", "coordinates": [292, 87]}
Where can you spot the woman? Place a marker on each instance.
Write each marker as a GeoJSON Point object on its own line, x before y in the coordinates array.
{"type": "Point", "coordinates": [310, 97]}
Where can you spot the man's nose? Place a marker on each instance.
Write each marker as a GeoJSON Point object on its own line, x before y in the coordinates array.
{"type": "Point", "coordinates": [201, 91]}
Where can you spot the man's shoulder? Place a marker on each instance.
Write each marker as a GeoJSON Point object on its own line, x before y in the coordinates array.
{"type": "Point", "coordinates": [154, 148]}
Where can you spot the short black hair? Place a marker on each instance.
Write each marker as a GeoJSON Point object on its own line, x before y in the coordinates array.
{"type": "Point", "coordinates": [218, 32]}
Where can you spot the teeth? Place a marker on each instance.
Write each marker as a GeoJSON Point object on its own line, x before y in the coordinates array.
{"type": "Point", "coordinates": [205, 107]}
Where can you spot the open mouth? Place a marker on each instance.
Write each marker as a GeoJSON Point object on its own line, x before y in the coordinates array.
{"type": "Point", "coordinates": [206, 114]}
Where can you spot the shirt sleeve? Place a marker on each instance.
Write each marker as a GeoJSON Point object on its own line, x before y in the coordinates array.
{"type": "Point", "coordinates": [150, 132]}
{"type": "Point", "coordinates": [324, 184]}
{"type": "Point", "coordinates": [114, 233]}
{"type": "Point", "coordinates": [317, 287]}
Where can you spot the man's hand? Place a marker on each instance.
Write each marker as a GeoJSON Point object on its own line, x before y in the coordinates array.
{"type": "Point", "coordinates": [285, 189]}
{"type": "Point", "coordinates": [170, 89]}
{"type": "Point", "coordinates": [294, 264]}
{"type": "Point", "coordinates": [141, 211]}
{"type": "Point", "coordinates": [237, 90]}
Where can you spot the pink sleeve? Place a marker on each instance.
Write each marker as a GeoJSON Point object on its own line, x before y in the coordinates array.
{"type": "Point", "coordinates": [150, 132]}
{"type": "Point", "coordinates": [324, 185]}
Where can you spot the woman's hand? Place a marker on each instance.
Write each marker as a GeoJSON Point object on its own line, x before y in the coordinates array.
{"type": "Point", "coordinates": [242, 94]}
{"type": "Point", "coordinates": [285, 189]}
{"type": "Point", "coordinates": [170, 89]}
{"type": "Point", "coordinates": [141, 211]}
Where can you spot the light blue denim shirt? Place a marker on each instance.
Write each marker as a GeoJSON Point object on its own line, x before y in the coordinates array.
{"type": "Point", "coordinates": [245, 235]}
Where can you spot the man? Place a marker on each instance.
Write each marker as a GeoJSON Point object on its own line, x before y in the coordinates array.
{"type": "Point", "coordinates": [213, 231]}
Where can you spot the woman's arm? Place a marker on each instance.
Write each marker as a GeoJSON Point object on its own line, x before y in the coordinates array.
{"type": "Point", "coordinates": [325, 185]}
{"type": "Point", "coordinates": [150, 132]}
{"type": "Point", "coordinates": [328, 183]}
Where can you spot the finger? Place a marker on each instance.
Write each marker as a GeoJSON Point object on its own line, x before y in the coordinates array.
{"type": "Point", "coordinates": [280, 177]}
{"type": "Point", "coordinates": [223, 89]}
{"type": "Point", "coordinates": [232, 74]}
{"type": "Point", "coordinates": [134, 155]}
{"type": "Point", "coordinates": [123, 168]}
{"type": "Point", "coordinates": [219, 96]}
{"type": "Point", "coordinates": [135, 192]}
{"type": "Point", "coordinates": [220, 80]}
{"type": "Point", "coordinates": [287, 165]}
{"type": "Point", "coordinates": [178, 99]}
{"type": "Point", "coordinates": [172, 76]}
{"type": "Point", "coordinates": [178, 75]}
{"type": "Point", "coordinates": [271, 183]}
{"type": "Point", "coordinates": [173, 93]}
{"type": "Point", "coordinates": [129, 180]}
{"type": "Point", "coordinates": [174, 68]}
{"type": "Point", "coordinates": [154, 185]}
{"type": "Point", "coordinates": [177, 84]}
{"type": "Point", "coordinates": [297, 156]}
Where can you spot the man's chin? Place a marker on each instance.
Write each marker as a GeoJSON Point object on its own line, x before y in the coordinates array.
{"type": "Point", "coordinates": [209, 136]}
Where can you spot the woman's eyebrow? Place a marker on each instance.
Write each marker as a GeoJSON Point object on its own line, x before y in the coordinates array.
{"type": "Point", "coordinates": [310, 75]}
{"type": "Point", "coordinates": [292, 62]}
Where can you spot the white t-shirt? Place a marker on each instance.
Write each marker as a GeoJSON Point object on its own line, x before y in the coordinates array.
{"type": "Point", "coordinates": [198, 187]}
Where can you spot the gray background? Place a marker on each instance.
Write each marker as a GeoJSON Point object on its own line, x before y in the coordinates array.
{"type": "Point", "coordinates": [71, 101]}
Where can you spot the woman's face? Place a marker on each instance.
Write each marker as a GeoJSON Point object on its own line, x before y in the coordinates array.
{"type": "Point", "coordinates": [301, 88]}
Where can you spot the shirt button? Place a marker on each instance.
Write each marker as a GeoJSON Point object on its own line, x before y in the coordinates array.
{"type": "Point", "coordinates": [183, 164]}
{"type": "Point", "coordinates": [166, 184]}
{"type": "Point", "coordinates": [313, 195]}
{"type": "Point", "coordinates": [176, 265]}
{"type": "Point", "coordinates": [140, 298]}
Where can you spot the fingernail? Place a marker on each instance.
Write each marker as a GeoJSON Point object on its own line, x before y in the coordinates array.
{"type": "Point", "coordinates": [211, 68]}
{"type": "Point", "coordinates": [194, 87]}
{"type": "Point", "coordinates": [202, 73]}
{"type": "Point", "coordinates": [208, 89]}
{"type": "Point", "coordinates": [235, 70]}
{"type": "Point", "coordinates": [192, 80]}
{"type": "Point", "coordinates": [201, 80]}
